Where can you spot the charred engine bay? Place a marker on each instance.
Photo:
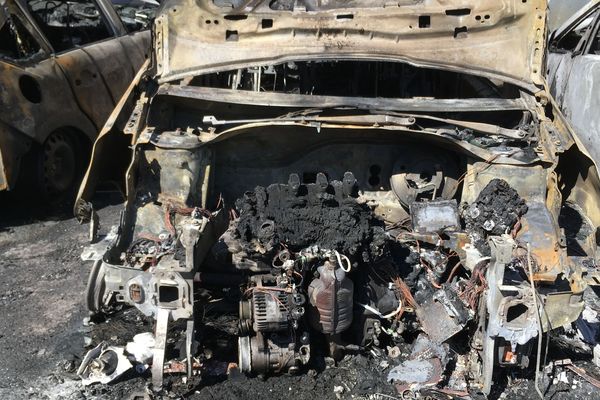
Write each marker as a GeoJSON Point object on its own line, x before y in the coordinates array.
{"type": "Point", "coordinates": [42, 363]}
{"type": "Point", "coordinates": [307, 278]}
{"type": "Point", "coordinates": [281, 238]}
{"type": "Point", "coordinates": [301, 216]}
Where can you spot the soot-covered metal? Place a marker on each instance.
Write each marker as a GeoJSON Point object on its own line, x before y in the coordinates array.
{"type": "Point", "coordinates": [277, 221]}
{"type": "Point", "coordinates": [298, 216]}
{"type": "Point", "coordinates": [495, 212]}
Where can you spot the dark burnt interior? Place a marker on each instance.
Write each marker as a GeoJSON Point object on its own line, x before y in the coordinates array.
{"type": "Point", "coordinates": [67, 24]}
{"type": "Point", "coordinates": [357, 78]}
{"type": "Point", "coordinates": [16, 42]}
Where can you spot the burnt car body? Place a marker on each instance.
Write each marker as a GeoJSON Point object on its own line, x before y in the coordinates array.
{"type": "Point", "coordinates": [338, 177]}
{"type": "Point", "coordinates": [63, 68]}
{"type": "Point", "coordinates": [574, 73]}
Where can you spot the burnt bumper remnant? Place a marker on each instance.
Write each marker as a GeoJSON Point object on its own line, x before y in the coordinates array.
{"type": "Point", "coordinates": [294, 204]}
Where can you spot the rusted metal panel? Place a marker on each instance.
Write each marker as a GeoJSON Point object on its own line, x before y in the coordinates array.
{"type": "Point", "coordinates": [55, 108]}
{"type": "Point", "coordinates": [87, 83]}
{"type": "Point", "coordinates": [395, 104]}
{"type": "Point", "coordinates": [137, 49]}
{"type": "Point", "coordinates": [573, 76]}
{"type": "Point", "coordinates": [98, 158]}
{"type": "Point", "coordinates": [116, 76]}
{"type": "Point", "coordinates": [423, 34]}
{"type": "Point", "coordinates": [12, 147]}
{"type": "Point", "coordinates": [559, 70]}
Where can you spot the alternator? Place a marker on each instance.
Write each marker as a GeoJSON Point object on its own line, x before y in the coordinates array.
{"type": "Point", "coordinates": [268, 320]}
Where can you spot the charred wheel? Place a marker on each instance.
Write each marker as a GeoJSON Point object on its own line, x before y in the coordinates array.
{"type": "Point", "coordinates": [60, 165]}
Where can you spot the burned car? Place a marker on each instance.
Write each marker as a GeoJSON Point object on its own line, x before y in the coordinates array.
{"type": "Point", "coordinates": [325, 178]}
{"type": "Point", "coordinates": [64, 65]}
{"type": "Point", "coordinates": [574, 73]}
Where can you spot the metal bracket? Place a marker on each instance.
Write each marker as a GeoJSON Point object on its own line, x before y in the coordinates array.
{"type": "Point", "coordinates": [189, 336]}
{"type": "Point", "coordinates": [158, 360]}
{"type": "Point", "coordinates": [502, 249]}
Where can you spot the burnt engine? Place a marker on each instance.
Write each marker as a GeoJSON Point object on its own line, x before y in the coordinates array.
{"type": "Point", "coordinates": [307, 246]}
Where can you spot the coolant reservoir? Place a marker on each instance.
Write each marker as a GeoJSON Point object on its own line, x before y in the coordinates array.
{"type": "Point", "coordinates": [331, 299]}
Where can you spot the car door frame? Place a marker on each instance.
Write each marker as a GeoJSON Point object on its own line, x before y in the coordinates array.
{"type": "Point", "coordinates": [567, 56]}
{"type": "Point", "coordinates": [571, 24]}
{"type": "Point", "coordinates": [582, 49]}
{"type": "Point", "coordinates": [576, 98]}
{"type": "Point", "coordinates": [593, 34]}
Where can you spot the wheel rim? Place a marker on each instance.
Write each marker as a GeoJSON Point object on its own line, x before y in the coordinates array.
{"type": "Point", "coordinates": [59, 164]}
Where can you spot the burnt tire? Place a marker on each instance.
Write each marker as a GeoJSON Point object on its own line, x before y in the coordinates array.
{"type": "Point", "coordinates": [95, 289]}
{"type": "Point", "coordinates": [61, 162]}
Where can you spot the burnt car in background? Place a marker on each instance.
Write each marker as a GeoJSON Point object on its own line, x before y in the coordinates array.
{"type": "Point", "coordinates": [339, 178]}
{"type": "Point", "coordinates": [64, 65]}
{"type": "Point", "coordinates": [574, 73]}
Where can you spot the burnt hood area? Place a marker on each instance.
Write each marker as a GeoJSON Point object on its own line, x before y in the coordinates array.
{"type": "Point", "coordinates": [309, 5]}
{"type": "Point", "coordinates": [346, 78]}
{"type": "Point", "coordinates": [499, 39]}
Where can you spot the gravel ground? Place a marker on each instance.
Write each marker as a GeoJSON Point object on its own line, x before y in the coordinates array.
{"type": "Point", "coordinates": [42, 337]}
{"type": "Point", "coordinates": [42, 282]}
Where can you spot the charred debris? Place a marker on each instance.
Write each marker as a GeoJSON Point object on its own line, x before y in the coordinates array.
{"type": "Point", "coordinates": [307, 272]}
{"type": "Point", "coordinates": [275, 239]}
